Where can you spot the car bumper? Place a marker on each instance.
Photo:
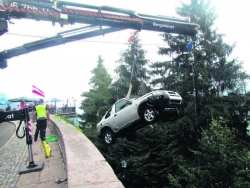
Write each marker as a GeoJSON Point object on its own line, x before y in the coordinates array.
{"type": "Point", "coordinates": [165, 102]}
{"type": "Point", "coordinates": [98, 133]}
{"type": "Point", "coordinates": [170, 110]}
{"type": "Point", "coordinates": [170, 114]}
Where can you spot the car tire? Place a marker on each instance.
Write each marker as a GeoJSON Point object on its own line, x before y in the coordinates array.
{"type": "Point", "coordinates": [173, 116]}
{"type": "Point", "coordinates": [109, 137]}
{"type": "Point", "coordinates": [149, 115]}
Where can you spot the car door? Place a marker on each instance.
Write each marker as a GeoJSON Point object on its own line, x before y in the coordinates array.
{"type": "Point", "coordinates": [108, 119]}
{"type": "Point", "coordinates": [125, 113]}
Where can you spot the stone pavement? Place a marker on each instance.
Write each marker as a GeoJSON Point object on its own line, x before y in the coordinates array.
{"type": "Point", "coordinates": [73, 156]}
{"type": "Point", "coordinates": [14, 155]}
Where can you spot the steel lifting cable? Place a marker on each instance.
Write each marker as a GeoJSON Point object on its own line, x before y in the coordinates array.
{"type": "Point", "coordinates": [143, 87]}
{"type": "Point", "coordinates": [132, 39]}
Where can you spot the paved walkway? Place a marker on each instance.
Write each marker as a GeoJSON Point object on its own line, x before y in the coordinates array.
{"type": "Point", "coordinates": [7, 129]}
{"type": "Point", "coordinates": [14, 155]}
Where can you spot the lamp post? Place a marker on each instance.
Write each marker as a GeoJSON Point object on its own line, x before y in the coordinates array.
{"type": "Point", "coordinates": [124, 165]}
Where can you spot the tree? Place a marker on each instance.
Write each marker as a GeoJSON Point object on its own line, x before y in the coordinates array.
{"type": "Point", "coordinates": [204, 148]}
{"type": "Point", "coordinates": [98, 99]}
{"type": "Point", "coordinates": [132, 65]}
{"type": "Point", "coordinates": [165, 156]}
{"type": "Point", "coordinates": [205, 73]}
{"type": "Point", "coordinates": [223, 160]}
{"type": "Point", "coordinates": [155, 159]}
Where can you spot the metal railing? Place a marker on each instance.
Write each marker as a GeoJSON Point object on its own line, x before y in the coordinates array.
{"type": "Point", "coordinates": [63, 111]}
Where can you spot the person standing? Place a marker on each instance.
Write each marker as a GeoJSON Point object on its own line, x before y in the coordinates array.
{"type": "Point", "coordinates": [8, 108]}
{"type": "Point", "coordinates": [18, 107]}
{"type": "Point", "coordinates": [42, 115]}
{"type": "Point", "coordinates": [23, 105]}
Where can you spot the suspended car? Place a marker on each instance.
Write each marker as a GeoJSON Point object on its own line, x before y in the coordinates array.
{"type": "Point", "coordinates": [128, 115]}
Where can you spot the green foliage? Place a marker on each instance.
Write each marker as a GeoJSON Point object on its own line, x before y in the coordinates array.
{"type": "Point", "coordinates": [78, 128]}
{"type": "Point", "coordinates": [90, 133]}
{"type": "Point", "coordinates": [132, 63]}
{"type": "Point", "coordinates": [222, 159]}
{"type": "Point", "coordinates": [63, 118]}
{"type": "Point", "coordinates": [97, 101]}
{"type": "Point", "coordinates": [208, 146]}
{"type": "Point", "coordinates": [208, 63]}
{"type": "Point", "coordinates": [206, 74]}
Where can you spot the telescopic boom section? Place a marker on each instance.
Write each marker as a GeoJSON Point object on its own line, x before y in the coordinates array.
{"type": "Point", "coordinates": [69, 13]}
{"type": "Point", "coordinates": [100, 19]}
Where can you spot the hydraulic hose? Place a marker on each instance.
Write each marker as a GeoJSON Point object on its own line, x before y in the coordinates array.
{"type": "Point", "coordinates": [17, 130]}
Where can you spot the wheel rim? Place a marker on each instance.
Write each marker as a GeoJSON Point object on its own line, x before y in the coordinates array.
{"type": "Point", "coordinates": [149, 115]}
{"type": "Point", "coordinates": [108, 138]}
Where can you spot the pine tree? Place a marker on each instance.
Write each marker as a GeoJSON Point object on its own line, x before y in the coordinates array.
{"type": "Point", "coordinates": [222, 160]}
{"type": "Point", "coordinates": [202, 77]}
{"type": "Point", "coordinates": [98, 99]}
{"type": "Point", "coordinates": [131, 65]}
{"type": "Point", "coordinates": [202, 74]}
{"type": "Point", "coordinates": [193, 151]}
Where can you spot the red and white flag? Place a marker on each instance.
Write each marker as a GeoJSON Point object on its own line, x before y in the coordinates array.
{"type": "Point", "coordinates": [37, 91]}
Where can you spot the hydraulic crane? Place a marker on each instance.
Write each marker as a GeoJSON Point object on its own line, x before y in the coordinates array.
{"type": "Point", "coordinates": [100, 19]}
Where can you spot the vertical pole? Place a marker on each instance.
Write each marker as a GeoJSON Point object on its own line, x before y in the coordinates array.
{"type": "Point", "coordinates": [28, 129]}
{"type": "Point", "coordinates": [32, 167]}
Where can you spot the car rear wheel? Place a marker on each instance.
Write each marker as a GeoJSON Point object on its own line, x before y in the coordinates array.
{"type": "Point", "coordinates": [109, 137]}
{"type": "Point", "coordinates": [149, 115]}
{"type": "Point", "coordinates": [173, 116]}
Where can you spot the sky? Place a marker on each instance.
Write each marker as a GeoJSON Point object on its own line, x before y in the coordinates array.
{"type": "Point", "coordinates": [64, 71]}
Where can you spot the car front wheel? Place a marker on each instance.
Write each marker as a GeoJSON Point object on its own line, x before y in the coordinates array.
{"type": "Point", "coordinates": [149, 115]}
{"type": "Point", "coordinates": [109, 137]}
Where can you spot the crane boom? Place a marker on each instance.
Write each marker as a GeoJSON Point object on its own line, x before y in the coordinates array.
{"type": "Point", "coordinates": [101, 19]}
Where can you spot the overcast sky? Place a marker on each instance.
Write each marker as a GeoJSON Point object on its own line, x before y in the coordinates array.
{"type": "Point", "coordinates": [64, 71]}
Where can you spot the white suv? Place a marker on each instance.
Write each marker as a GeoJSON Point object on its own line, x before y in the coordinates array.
{"type": "Point", "coordinates": [128, 115]}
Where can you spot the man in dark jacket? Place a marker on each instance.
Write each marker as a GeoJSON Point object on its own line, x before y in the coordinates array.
{"type": "Point", "coordinates": [8, 108]}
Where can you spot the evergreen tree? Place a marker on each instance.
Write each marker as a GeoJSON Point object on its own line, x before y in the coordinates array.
{"type": "Point", "coordinates": [98, 99]}
{"type": "Point", "coordinates": [165, 156]}
{"type": "Point", "coordinates": [203, 75]}
{"type": "Point", "coordinates": [196, 150]}
{"type": "Point", "coordinates": [131, 65]}
{"type": "Point", "coordinates": [222, 160]}
{"type": "Point", "coordinates": [155, 159]}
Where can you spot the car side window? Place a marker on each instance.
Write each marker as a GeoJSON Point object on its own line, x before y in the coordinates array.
{"type": "Point", "coordinates": [108, 113]}
{"type": "Point", "coordinates": [121, 104]}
